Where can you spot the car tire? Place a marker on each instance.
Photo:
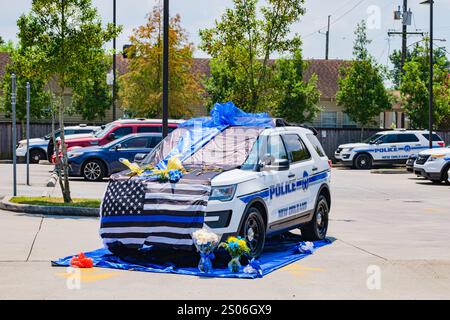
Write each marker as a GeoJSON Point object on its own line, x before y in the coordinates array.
{"type": "Point", "coordinates": [253, 230]}
{"type": "Point", "coordinates": [93, 170]}
{"type": "Point", "coordinates": [445, 175]}
{"type": "Point", "coordinates": [363, 162]}
{"type": "Point", "coordinates": [37, 155]}
{"type": "Point", "coordinates": [317, 228]}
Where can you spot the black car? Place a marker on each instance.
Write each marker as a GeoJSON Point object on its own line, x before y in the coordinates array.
{"type": "Point", "coordinates": [410, 162]}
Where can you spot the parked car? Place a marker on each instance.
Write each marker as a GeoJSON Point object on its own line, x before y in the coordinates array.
{"type": "Point", "coordinates": [95, 163]}
{"type": "Point", "coordinates": [410, 162]}
{"type": "Point", "coordinates": [277, 179]}
{"type": "Point", "coordinates": [434, 165]}
{"type": "Point", "coordinates": [386, 147]}
{"type": "Point", "coordinates": [38, 146]}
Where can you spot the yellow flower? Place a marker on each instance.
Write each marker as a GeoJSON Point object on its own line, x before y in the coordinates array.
{"type": "Point", "coordinates": [231, 239]}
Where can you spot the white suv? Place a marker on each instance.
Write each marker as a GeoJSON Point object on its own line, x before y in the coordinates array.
{"type": "Point", "coordinates": [434, 164]}
{"type": "Point", "coordinates": [386, 147]}
{"type": "Point", "coordinates": [283, 184]}
{"type": "Point", "coordinates": [270, 180]}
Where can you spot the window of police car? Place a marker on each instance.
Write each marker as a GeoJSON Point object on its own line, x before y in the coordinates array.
{"type": "Point", "coordinates": [316, 144]}
{"type": "Point", "coordinates": [296, 148]}
{"type": "Point", "coordinates": [407, 137]}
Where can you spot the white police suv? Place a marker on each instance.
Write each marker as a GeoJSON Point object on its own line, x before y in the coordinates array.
{"type": "Point", "coordinates": [245, 180]}
{"type": "Point", "coordinates": [434, 164]}
{"type": "Point", "coordinates": [283, 184]}
{"type": "Point", "coordinates": [386, 147]}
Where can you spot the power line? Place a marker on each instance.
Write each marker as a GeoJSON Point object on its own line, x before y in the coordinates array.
{"type": "Point", "coordinates": [337, 19]}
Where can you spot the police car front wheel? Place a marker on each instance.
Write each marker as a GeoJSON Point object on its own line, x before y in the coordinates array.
{"type": "Point", "coordinates": [363, 162]}
{"type": "Point", "coordinates": [253, 230]}
{"type": "Point", "coordinates": [316, 229]}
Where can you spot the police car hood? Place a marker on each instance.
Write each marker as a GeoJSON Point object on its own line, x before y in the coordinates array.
{"type": "Point", "coordinates": [34, 141]}
{"type": "Point", "coordinates": [234, 176]}
{"type": "Point", "coordinates": [353, 145]}
{"type": "Point", "coordinates": [428, 152]}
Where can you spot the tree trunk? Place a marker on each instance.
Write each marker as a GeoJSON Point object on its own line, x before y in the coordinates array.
{"type": "Point", "coordinates": [64, 165]}
{"type": "Point", "coordinates": [362, 133]}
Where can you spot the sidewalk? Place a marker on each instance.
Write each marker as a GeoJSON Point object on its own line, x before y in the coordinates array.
{"type": "Point", "coordinates": [39, 176]}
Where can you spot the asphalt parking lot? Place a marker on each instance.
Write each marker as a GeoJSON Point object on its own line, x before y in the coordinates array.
{"type": "Point", "coordinates": [391, 234]}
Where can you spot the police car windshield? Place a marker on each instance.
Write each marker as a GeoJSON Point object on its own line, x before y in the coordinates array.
{"type": "Point", "coordinates": [227, 149]}
{"type": "Point", "coordinates": [373, 139]}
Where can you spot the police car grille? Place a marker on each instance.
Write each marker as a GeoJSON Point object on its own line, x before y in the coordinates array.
{"type": "Point", "coordinates": [422, 159]}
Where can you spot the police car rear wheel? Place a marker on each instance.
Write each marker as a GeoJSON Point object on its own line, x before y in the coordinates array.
{"type": "Point", "coordinates": [363, 162]}
{"type": "Point", "coordinates": [317, 228]}
{"type": "Point", "coordinates": [254, 231]}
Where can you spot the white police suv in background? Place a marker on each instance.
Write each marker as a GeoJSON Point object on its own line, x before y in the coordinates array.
{"type": "Point", "coordinates": [283, 184]}
{"type": "Point", "coordinates": [434, 165]}
{"type": "Point", "coordinates": [386, 147]}
{"type": "Point", "coordinates": [38, 146]}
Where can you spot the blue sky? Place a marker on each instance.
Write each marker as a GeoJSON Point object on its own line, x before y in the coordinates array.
{"type": "Point", "coordinates": [345, 14]}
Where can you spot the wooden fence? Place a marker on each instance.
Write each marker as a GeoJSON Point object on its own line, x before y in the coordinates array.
{"type": "Point", "coordinates": [330, 138]}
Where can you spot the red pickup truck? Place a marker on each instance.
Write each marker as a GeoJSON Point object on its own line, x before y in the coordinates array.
{"type": "Point", "coordinates": [118, 129]}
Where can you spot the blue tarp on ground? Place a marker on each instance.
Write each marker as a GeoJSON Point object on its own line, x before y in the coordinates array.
{"type": "Point", "coordinates": [279, 252]}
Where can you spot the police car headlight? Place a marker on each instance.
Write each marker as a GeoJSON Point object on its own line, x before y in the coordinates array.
{"type": "Point", "coordinates": [348, 149]}
{"type": "Point", "coordinates": [223, 193]}
{"type": "Point", "coordinates": [72, 155]}
{"type": "Point", "coordinates": [435, 157]}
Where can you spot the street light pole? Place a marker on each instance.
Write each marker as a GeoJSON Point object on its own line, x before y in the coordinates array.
{"type": "Point", "coordinates": [165, 87]}
{"type": "Point", "coordinates": [114, 65]}
{"type": "Point", "coordinates": [430, 109]}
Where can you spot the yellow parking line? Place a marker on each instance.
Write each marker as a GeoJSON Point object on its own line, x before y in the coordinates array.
{"type": "Point", "coordinates": [90, 275]}
{"type": "Point", "coordinates": [299, 270]}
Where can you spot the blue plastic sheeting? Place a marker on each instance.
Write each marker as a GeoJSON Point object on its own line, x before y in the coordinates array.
{"type": "Point", "coordinates": [227, 114]}
{"type": "Point", "coordinates": [278, 252]}
{"type": "Point", "coordinates": [199, 131]}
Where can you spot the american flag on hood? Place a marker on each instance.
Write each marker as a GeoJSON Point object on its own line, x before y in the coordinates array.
{"type": "Point", "coordinates": [136, 212]}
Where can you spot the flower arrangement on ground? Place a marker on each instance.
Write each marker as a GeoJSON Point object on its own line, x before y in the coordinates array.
{"type": "Point", "coordinates": [236, 247]}
{"type": "Point", "coordinates": [206, 242]}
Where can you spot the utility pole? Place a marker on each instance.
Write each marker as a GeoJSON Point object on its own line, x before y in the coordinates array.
{"type": "Point", "coordinates": [327, 39]}
{"type": "Point", "coordinates": [114, 66]}
{"type": "Point", "coordinates": [404, 35]}
{"type": "Point", "coordinates": [327, 48]}
{"type": "Point", "coordinates": [165, 97]}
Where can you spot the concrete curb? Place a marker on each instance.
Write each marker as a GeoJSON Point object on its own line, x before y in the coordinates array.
{"type": "Point", "coordinates": [5, 204]}
{"type": "Point", "coordinates": [390, 171]}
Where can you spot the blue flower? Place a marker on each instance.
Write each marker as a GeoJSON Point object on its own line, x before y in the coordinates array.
{"type": "Point", "coordinates": [175, 175]}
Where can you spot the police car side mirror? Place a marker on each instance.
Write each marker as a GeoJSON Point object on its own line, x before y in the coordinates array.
{"type": "Point", "coordinates": [269, 163]}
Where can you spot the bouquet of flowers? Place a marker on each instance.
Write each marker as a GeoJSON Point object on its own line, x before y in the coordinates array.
{"type": "Point", "coordinates": [306, 247]}
{"type": "Point", "coordinates": [236, 247]}
{"type": "Point", "coordinates": [205, 241]}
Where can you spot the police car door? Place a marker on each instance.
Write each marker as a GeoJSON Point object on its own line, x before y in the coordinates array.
{"type": "Point", "coordinates": [386, 148]}
{"type": "Point", "coordinates": [276, 180]}
{"type": "Point", "coordinates": [301, 170]}
{"type": "Point", "coordinates": [408, 144]}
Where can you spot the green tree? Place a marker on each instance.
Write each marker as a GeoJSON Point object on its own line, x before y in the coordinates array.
{"type": "Point", "coordinates": [294, 99]}
{"type": "Point", "coordinates": [39, 96]}
{"type": "Point", "coordinates": [141, 86]}
{"type": "Point", "coordinates": [241, 45]}
{"type": "Point", "coordinates": [64, 40]}
{"type": "Point", "coordinates": [93, 97]}
{"type": "Point", "coordinates": [414, 88]}
{"type": "Point", "coordinates": [396, 60]}
{"type": "Point", "coordinates": [361, 84]}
